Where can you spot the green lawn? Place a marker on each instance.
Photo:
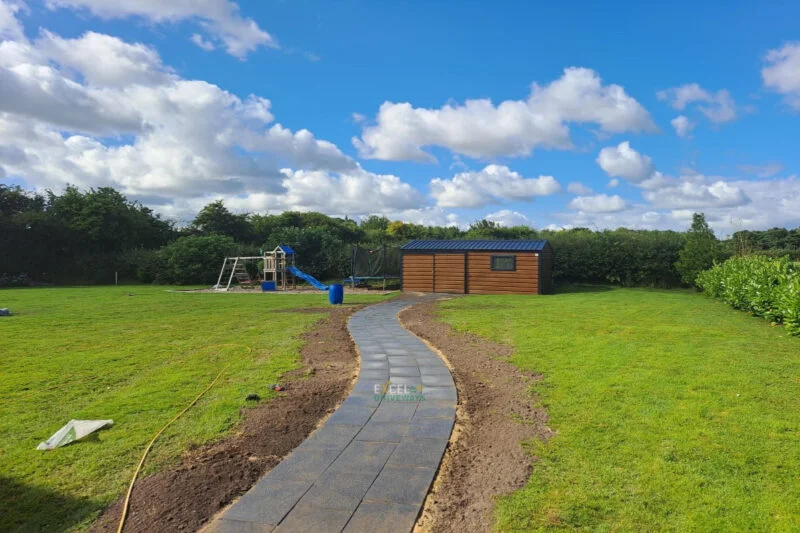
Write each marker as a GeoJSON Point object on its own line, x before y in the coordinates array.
{"type": "Point", "coordinates": [673, 412]}
{"type": "Point", "coordinates": [100, 353]}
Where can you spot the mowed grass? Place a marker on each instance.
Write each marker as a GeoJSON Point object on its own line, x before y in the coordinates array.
{"type": "Point", "coordinates": [98, 353]}
{"type": "Point", "coordinates": [672, 411]}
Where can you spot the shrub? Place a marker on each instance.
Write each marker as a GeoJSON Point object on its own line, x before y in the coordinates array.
{"type": "Point", "coordinates": [16, 280]}
{"type": "Point", "coordinates": [700, 252]}
{"type": "Point", "coordinates": [627, 257]}
{"type": "Point", "coordinates": [763, 286]}
{"type": "Point", "coordinates": [192, 260]}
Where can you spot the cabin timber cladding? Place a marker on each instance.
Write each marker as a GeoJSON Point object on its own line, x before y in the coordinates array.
{"type": "Point", "coordinates": [465, 267]}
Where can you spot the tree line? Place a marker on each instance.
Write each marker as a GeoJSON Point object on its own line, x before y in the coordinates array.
{"type": "Point", "coordinates": [89, 236]}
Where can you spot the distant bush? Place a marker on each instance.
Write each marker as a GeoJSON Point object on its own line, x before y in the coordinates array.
{"type": "Point", "coordinates": [701, 251]}
{"type": "Point", "coordinates": [16, 280]}
{"type": "Point", "coordinates": [191, 260]}
{"type": "Point", "coordinates": [622, 256]}
{"type": "Point", "coordinates": [764, 286]}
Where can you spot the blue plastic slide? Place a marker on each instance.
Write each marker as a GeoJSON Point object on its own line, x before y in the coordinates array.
{"type": "Point", "coordinates": [306, 277]}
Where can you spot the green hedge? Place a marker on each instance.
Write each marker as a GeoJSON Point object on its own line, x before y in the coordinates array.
{"type": "Point", "coordinates": [764, 286]}
{"type": "Point", "coordinates": [622, 256]}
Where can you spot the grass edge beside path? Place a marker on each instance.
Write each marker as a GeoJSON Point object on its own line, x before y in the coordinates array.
{"type": "Point", "coordinates": [136, 355]}
{"type": "Point", "coordinates": [672, 411]}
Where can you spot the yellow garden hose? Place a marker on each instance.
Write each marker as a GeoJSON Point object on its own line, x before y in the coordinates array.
{"type": "Point", "coordinates": [127, 502]}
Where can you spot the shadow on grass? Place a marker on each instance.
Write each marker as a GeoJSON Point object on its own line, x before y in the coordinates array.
{"type": "Point", "coordinates": [582, 287]}
{"type": "Point", "coordinates": [26, 508]}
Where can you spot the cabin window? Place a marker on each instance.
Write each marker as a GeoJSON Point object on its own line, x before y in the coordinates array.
{"type": "Point", "coordinates": [504, 262]}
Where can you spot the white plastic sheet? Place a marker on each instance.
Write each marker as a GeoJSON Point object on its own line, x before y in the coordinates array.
{"type": "Point", "coordinates": [74, 430]}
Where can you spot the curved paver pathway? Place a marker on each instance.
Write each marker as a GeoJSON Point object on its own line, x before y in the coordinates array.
{"type": "Point", "coordinates": [369, 467]}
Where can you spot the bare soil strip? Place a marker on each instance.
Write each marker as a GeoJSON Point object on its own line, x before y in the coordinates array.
{"type": "Point", "coordinates": [211, 477]}
{"type": "Point", "coordinates": [496, 413]}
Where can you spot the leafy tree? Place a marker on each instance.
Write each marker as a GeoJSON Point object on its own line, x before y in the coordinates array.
{"type": "Point", "coordinates": [318, 252]}
{"type": "Point", "coordinates": [103, 220]}
{"type": "Point", "coordinates": [194, 260]}
{"type": "Point", "coordinates": [215, 218]}
{"type": "Point", "coordinates": [700, 251]}
{"type": "Point", "coordinates": [488, 229]}
{"type": "Point", "coordinates": [14, 201]}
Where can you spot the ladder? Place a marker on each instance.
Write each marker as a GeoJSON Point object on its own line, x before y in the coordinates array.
{"type": "Point", "coordinates": [237, 272]}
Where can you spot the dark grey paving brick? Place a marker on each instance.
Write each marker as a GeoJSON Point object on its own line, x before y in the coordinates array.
{"type": "Point", "coordinates": [434, 408]}
{"type": "Point", "coordinates": [382, 374]}
{"type": "Point", "coordinates": [395, 412]}
{"type": "Point", "coordinates": [383, 431]}
{"type": "Point", "coordinates": [435, 363]}
{"type": "Point", "coordinates": [362, 399]}
{"type": "Point", "coordinates": [375, 517]}
{"type": "Point", "coordinates": [430, 427]}
{"type": "Point", "coordinates": [438, 381]}
{"type": "Point", "coordinates": [307, 518]}
{"type": "Point", "coordinates": [374, 365]}
{"type": "Point", "coordinates": [338, 490]}
{"type": "Point", "coordinates": [406, 380]}
{"type": "Point", "coordinates": [434, 371]}
{"type": "Point", "coordinates": [404, 371]}
{"type": "Point", "coordinates": [224, 525]}
{"type": "Point", "coordinates": [418, 452]}
{"type": "Point", "coordinates": [401, 361]}
{"type": "Point", "coordinates": [352, 414]}
{"type": "Point", "coordinates": [269, 503]}
{"type": "Point", "coordinates": [374, 356]}
{"type": "Point", "coordinates": [365, 385]}
{"type": "Point", "coordinates": [336, 436]}
{"type": "Point", "coordinates": [301, 465]}
{"type": "Point", "coordinates": [363, 457]}
{"type": "Point", "coordinates": [401, 484]}
{"type": "Point", "coordinates": [440, 393]}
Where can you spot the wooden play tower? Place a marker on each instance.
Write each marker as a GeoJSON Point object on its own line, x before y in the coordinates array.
{"type": "Point", "coordinates": [275, 269]}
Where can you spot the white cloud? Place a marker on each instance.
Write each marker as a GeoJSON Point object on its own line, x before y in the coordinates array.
{"type": "Point", "coordinates": [613, 182]}
{"type": "Point", "coordinates": [718, 107]}
{"type": "Point", "coordinates": [782, 72]}
{"type": "Point", "coordinates": [622, 161]}
{"type": "Point", "coordinates": [104, 60]}
{"type": "Point", "coordinates": [694, 193]}
{"type": "Point", "coordinates": [493, 184]}
{"type": "Point", "coordinates": [40, 92]}
{"type": "Point", "coordinates": [683, 126]}
{"type": "Point", "coordinates": [10, 26]}
{"type": "Point", "coordinates": [121, 118]}
{"type": "Point", "coordinates": [600, 203]}
{"type": "Point", "coordinates": [509, 218]}
{"type": "Point", "coordinates": [202, 42]}
{"type": "Point", "coordinates": [681, 96]}
{"type": "Point", "coordinates": [479, 128]}
{"type": "Point", "coordinates": [353, 193]}
{"type": "Point", "coordinates": [771, 203]}
{"type": "Point", "coordinates": [579, 188]}
{"type": "Point", "coordinates": [220, 19]}
{"type": "Point", "coordinates": [427, 216]}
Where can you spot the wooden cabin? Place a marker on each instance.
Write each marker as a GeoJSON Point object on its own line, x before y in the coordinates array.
{"type": "Point", "coordinates": [478, 267]}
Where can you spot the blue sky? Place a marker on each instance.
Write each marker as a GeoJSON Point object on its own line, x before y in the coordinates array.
{"type": "Point", "coordinates": [421, 111]}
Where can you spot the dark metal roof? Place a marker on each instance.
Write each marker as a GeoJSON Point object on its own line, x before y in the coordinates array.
{"type": "Point", "coordinates": [425, 245]}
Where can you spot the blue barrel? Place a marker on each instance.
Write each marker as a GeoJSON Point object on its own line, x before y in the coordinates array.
{"type": "Point", "coordinates": [267, 286]}
{"type": "Point", "coordinates": [336, 293]}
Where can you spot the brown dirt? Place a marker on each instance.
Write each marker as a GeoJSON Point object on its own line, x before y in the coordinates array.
{"type": "Point", "coordinates": [496, 413]}
{"type": "Point", "coordinates": [208, 479]}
